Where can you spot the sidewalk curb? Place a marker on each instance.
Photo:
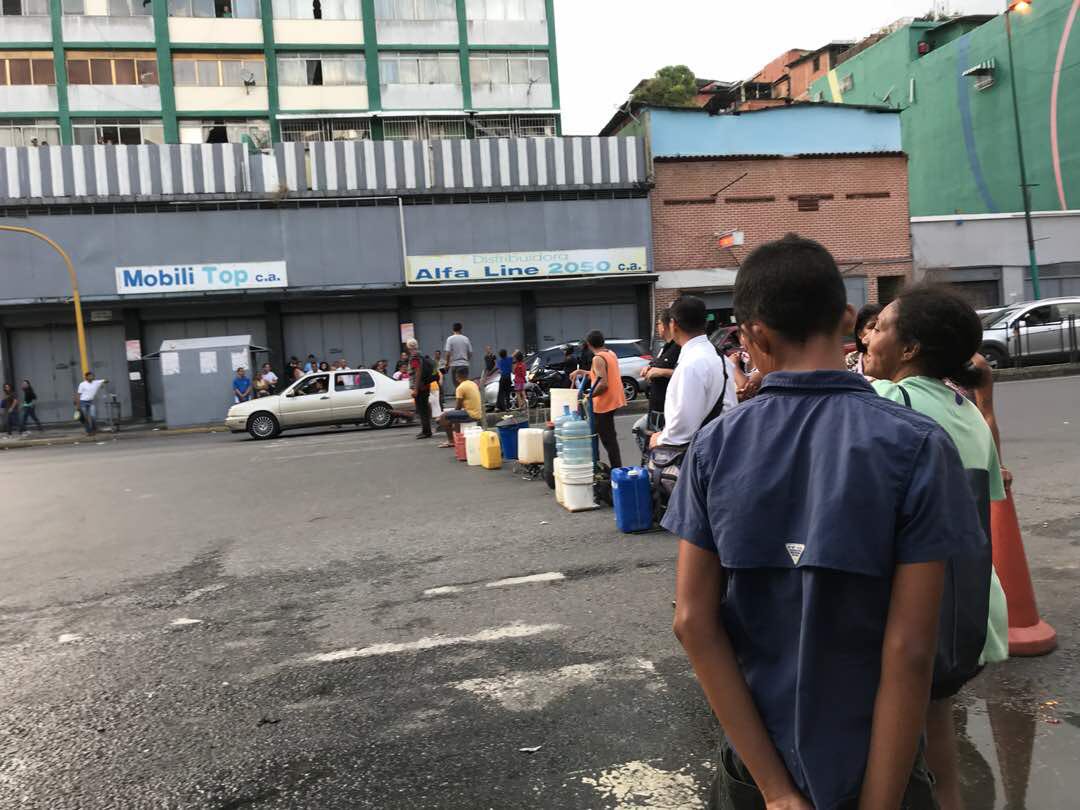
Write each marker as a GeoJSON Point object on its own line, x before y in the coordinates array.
{"type": "Point", "coordinates": [1036, 372]}
{"type": "Point", "coordinates": [59, 441]}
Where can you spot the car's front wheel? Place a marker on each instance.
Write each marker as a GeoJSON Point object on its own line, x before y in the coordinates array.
{"type": "Point", "coordinates": [380, 416]}
{"type": "Point", "coordinates": [263, 425]}
{"type": "Point", "coordinates": [995, 357]}
{"type": "Point", "coordinates": [630, 389]}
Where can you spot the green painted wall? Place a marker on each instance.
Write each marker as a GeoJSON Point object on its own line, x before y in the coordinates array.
{"type": "Point", "coordinates": [961, 142]}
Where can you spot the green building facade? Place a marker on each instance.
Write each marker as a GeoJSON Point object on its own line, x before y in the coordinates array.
{"type": "Point", "coordinates": [957, 113]}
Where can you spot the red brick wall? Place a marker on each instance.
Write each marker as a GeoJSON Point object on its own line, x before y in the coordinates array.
{"type": "Point", "coordinates": [871, 233]}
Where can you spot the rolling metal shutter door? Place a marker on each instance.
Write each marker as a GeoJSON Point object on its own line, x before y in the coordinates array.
{"type": "Point", "coordinates": [496, 326]}
{"type": "Point", "coordinates": [563, 324]}
{"type": "Point", "coordinates": [49, 358]}
{"type": "Point", "coordinates": [361, 338]}
{"type": "Point", "coordinates": [154, 332]}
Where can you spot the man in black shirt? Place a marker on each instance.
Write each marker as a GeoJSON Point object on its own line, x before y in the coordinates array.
{"type": "Point", "coordinates": [658, 372]}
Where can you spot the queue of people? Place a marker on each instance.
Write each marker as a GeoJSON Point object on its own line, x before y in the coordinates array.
{"type": "Point", "coordinates": [832, 617]}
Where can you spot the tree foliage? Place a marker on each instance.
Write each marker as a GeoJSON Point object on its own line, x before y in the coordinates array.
{"type": "Point", "coordinates": [672, 86]}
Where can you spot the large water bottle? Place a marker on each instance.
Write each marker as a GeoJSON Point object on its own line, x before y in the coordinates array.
{"type": "Point", "coordinates": [566, 416]}
{"type": "Point", "coordinates": [577, 442]}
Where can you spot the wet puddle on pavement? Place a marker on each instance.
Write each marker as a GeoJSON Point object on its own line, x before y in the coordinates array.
{"type": "Point", "coordinates": [1018, 753]}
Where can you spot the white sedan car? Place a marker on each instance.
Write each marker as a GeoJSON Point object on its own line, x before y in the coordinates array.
{"type": "Point", "coordinates": [343, 397]}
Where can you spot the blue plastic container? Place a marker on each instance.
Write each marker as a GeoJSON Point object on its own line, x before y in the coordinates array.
{"type": "Point", "coordinates": [508, 436]}
{"type": "Point", "coordinates": [632, 494]}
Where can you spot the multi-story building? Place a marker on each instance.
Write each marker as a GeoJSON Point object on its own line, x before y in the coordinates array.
{"type": "Point", "coordinates": [196, 71]}
{"type": "Point", "coordinates": [725, 183]}
{"type": "Point", "coordinates": [950, 79]}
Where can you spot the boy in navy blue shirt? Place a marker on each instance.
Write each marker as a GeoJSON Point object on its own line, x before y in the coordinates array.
{"type": "Point", "coordinates": [815, 522]}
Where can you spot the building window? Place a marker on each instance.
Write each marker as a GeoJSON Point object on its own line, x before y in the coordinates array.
{"type": "Point", "coordinates": [401, 129]}
{"type": "Point", "coordinates": [112, 68]}
{"type": "Point", "coordinates": [313, 69]}
{"type": "Point", "coordinates": [536, 126]}
{"type": "Point", "coordinates": [445, 127]}
{"type": "Point", "coordinates": [40, 132]}
{"type": "Point", "coordinates": [415, 10]}
{"type": "Point", "coordinates": [24, 8]}
{"type": "Point", "coordinates": [317, 10]}
{"type": "Point", "coordinates": [226, 131]}
{"type": "Point", "coordinates": [509, 68]}
{"type": "Point", "coordinates": [221, 9]}
{"type": "Point", "coordinates": [847, 83]}
{"type": "Point", "coordinates": [419, 68]}
{"type": "Point", "coordinates": [326, 129]}
{"type": "Point", "coordinates": [505, 10]}
{"type": "Point", "coordinates": [113, 8]}
{"type": "Point", "coordinates": [209, 70]}
{"type": "Point", "coordinates": [493, 127]}
{"type": "Point", "coordinates": [870, 195]}
{"type": "Point", "coordinates": [128, 132]}
{"type": "Point", "coordinates": [30, 67]}
{"type": "Point", "coordinates": [817, 63]}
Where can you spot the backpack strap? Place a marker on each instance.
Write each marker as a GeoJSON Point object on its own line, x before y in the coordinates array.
{"type": "Point", "coordinates": [904, 394]}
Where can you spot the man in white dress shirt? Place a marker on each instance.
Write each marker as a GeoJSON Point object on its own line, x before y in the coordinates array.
{"type": "Point", "coordinates": [703, 384]}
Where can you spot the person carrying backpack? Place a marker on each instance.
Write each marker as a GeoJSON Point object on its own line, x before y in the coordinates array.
{"type": "Point", "coordinates": [421, 375]}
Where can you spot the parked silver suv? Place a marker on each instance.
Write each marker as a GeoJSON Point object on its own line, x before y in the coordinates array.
{"type": "Point", "coordinates": [1032, 332]}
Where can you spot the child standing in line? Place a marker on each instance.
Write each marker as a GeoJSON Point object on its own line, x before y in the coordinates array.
{"type": "Point", "coordinates": [519, 380]}
{"type": "Point", "coordinates": [812, 627]}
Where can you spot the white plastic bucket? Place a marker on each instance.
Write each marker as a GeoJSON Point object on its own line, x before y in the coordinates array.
{"type": "Point", "coordinates": [575, 473]}
{"type": "Point", "coordinates": [578, 497]}
{"type": "Point", "coordinates": [472, 445]}
{"type": "Point", "coordinates": [558, 481]}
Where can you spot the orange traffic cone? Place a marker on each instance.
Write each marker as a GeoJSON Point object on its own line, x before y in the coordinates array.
{"type": "Point", "coordinates": [1028, 634]}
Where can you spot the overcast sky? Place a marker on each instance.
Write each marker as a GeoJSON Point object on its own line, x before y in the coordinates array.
{"type": "Point", "coordinates": [606, 46]}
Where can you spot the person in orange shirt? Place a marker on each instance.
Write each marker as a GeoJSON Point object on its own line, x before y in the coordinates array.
{"type": "Point", "coordinates": [607, 394]}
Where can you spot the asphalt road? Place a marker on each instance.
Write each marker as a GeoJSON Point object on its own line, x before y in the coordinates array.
{"type": "Point", "coordinates": [337, 620]}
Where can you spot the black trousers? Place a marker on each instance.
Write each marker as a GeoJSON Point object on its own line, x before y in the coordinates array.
{"type": "Point", "coordinates": [505, 387]}
{"type": "Point", "coordinates": [423, 412]}
{"type": "Point", "coordinates": [605, 430]}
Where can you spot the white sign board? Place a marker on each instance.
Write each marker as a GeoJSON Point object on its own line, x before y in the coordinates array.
{"type": "Point", "coordinates": [170, 363]}
{"type": "Point", "coordinates": [208, 362]}
{"type": "Point", "coordinates": [188, 278]}
{"type": "Point", "coordinates": [481, 268]}
{"type": "Point", "coordinates": [239, 360]}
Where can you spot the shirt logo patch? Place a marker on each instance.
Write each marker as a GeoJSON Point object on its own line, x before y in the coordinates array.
{"type": "Point", "coordinates": [795, 550]}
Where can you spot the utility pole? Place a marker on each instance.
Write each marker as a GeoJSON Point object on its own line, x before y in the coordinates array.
{"type": "Point", "coordinates": [1025, 188]}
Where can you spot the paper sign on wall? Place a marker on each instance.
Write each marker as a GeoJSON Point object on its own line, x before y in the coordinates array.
{"type": "Point", "coordinates": [408, 332]}
{"type": "Point", "coordinates": [239, 360]}
{"type": "Point", "coordinates": [170, 363]}
{"type": "Point", "coordinates": [208, 362]}
{"type": "Point", "coordinates": [133, 350]}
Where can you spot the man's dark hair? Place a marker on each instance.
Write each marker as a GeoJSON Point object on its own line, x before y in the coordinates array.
{"type": "Point", "coordinates": [946, 328]}
{"type": "Point", "coordinates": [793, 286]}
{"type": "Point", "coordinates": [456, 327]}
{"type": "Point", "coordinates": [595, 338]}
{"type": "Point", "coordinates": [460, 373]}
{"type": "Point", "coordinates": [868, 313]}
{"type": "Point", "coordinates": [664, 316]}
{"type": "Point", "coordinates": [502, 352]}
{"type": "Point", "coordinates": [689, 315]}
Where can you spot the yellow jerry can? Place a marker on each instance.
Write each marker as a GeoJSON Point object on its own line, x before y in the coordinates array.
{"type": "Point", "coordinates": [490, 451]}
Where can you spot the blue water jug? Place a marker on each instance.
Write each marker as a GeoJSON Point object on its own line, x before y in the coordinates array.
{"type": "Point", "coordinates": [566, 416]}
{"type": "Point", "coordinates": [577, 442]}
{"type": "Point", "coordinates": [632, 496]}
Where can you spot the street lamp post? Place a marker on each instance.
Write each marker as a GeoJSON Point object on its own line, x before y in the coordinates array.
{"type": "Point", "coordinates": [80, 331]}
{"type": "Point", "coordinates": [1022, 6]}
